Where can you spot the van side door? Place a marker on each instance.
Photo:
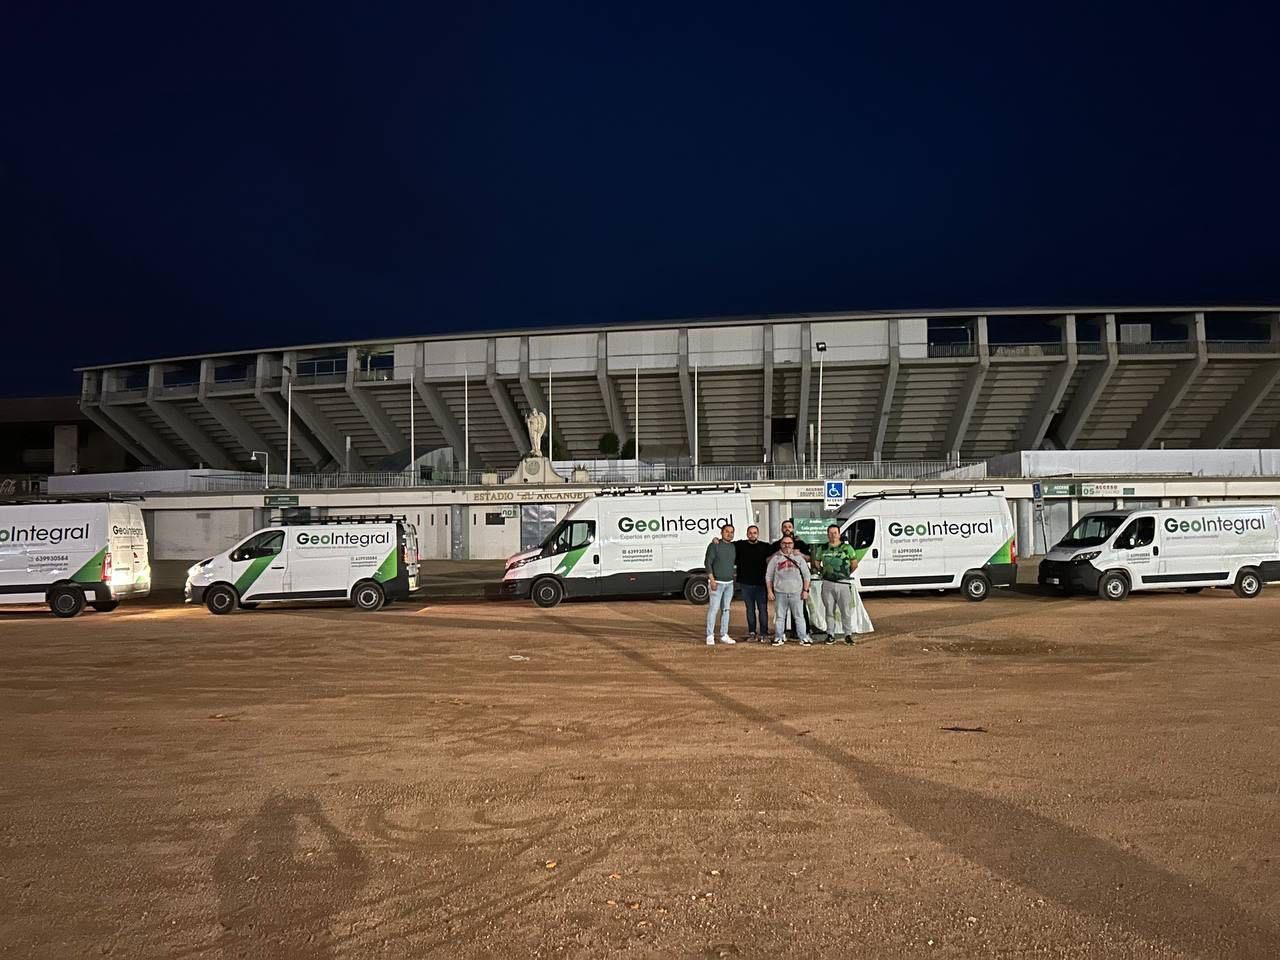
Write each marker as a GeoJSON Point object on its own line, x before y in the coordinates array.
{"type": "Point", "coordinates": [259, 566]}
{"type": "Point", "coordinates": [1136, 548]}
{"type": "Point", "coordinates": [575, 558]}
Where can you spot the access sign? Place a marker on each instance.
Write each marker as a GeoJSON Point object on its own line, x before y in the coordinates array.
{"type": "Point", "coordinates": [833, 492]}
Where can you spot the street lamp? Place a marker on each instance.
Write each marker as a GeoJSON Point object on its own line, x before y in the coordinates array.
{"type": "Point", "coordinates": [288, 431]}
{"type": "Point", "coordinates": [266, 466]}
{"type": "Point", "coordinates": [822, 350]}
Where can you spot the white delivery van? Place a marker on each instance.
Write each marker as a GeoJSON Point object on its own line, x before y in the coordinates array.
{"type": "Point", "coordinates": [366, 560]}
{"type": "Point", "coordinates": [935, 539]}
{"type": "Point", "coordinates": [629, 543]}
{"type": "Point", "coordinates": [69, 553]}
{"type": "Point", "coordinates": [1216, 545]}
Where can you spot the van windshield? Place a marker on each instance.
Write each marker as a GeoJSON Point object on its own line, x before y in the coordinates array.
{"type": "Point", "coordinates": [1092, 531]}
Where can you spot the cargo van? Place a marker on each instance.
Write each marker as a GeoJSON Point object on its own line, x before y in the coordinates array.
{"type": "Point", "coordinates": [936, 539]}
{"type": "Point", "coordinates": [629, 543]}
{"type": "Point", "coordinates": [69, 553]}
{"type": "Point", "coordinates": [366, 560]}
{"type": "Point", "coordinates": [1114, 552]}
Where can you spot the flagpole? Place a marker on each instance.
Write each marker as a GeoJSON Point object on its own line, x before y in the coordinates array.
{"type": "Point", "coordinates": [413, 445]}
{"type": "Point", "coordinates": [466, 419]}
{"type": "Point", "coordinates": [637, 426]}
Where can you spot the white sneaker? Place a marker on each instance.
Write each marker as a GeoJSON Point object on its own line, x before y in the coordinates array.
{"type": "Point", "coordinates": [711, 641]}
{"type": "Point", "coordinates": [728, 640]}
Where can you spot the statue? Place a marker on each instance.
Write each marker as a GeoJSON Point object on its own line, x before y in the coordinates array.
{"type": "Point", "coordinates": [536, 421]}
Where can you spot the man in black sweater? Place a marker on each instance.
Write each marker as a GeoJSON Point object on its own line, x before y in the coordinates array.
{"type": "Point", "coordinates": [753, 556]}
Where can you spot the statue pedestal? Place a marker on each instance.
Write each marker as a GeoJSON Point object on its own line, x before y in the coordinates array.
{"type": "Point", "coordinates": [533, 469]}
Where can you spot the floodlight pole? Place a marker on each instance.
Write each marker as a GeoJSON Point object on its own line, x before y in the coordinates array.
{"type": "Point", "coordinates": [266, 466]}
{"type": "Point", "coordinates": [288, 432]}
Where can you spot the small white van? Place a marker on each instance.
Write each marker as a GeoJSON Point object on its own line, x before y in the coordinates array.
{"type": "Point", "coordinates": [69, 553]}
{"type": "Point", "coordinates": [936, 539]}
{"type": "Point", "coordinates": [1217, 545]}
{"type": "Point", "coordinates": [629, 543]}
{"type": "Point", "coordinates": [366, 560]}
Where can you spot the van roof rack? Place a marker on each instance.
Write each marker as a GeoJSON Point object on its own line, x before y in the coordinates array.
{"type": "Point", "coordinates": [670, 488]}
{"type": "Point", "coordinates": [914, 492]}
{"type": "Point", "coordinates": [35, 499]}
{"type": "Point", "coordinates": [343, 518]}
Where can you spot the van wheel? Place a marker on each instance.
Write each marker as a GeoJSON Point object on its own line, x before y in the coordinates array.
{"type": "Point", "coordinates": [368, 595]}
{"type": "Point", "coordinates": [547, 592]}
{"type": "Point", "coordinates": [1248, 583]}
{"type": "Point", "coordinates": [66, 601]}
{"type": "Point", "coordinates": [105, 606]}
{"type": "Point", "coordinates": [976, 586]}
{"type": "Point", "coordinates": [1113, 586]}
{"type": "Point", "coordinates": [220, 598]}
{"type": "Point", "coordinates": [697, 590]}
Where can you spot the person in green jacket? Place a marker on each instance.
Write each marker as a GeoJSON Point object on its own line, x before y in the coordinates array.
{"type": "Point", "coordinates": [834, 563]}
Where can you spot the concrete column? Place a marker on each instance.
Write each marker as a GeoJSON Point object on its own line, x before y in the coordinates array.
{"type": "Point", "coordinates": [1046, 406]}
{"type": "Point", "coordinates": [1147, 429]}
{"type": "Point", "coordinates": [613, 406]}
{"type": "Point", "coordinates": [245, 434]}
{"type": "Point", "coordinates": [313, 418]}
{"type": "Point", "coordinates": [767, 426]}
{"type": "Point", "coordinates": [686, 387]}
{"type": "Point", "coordinates": [969, 393]}
{"type": "Point", "coordinates": [366, 401]}
{"type": "Point", "coordinates": [532, 388]}
{"type": "Point", "coordinates": [66, 448]}
{"type": "Point", "coordinates": [515, 427]}
{"type": "Point", "coordinates": [1237, 411]}
{"type": "Point", "coordinates": [176, 419]}
{"type": "Point", "coordinates": [438, 410]}
{"type": "Point", "coordinates": [1068, 426]}
{"type": "Point", "coordinates": [90, 405]}
{"type": "Point", "coordinates": [802, 411]}
{"type": "Point", "coordinates": [880, 428]}
{"type": "Point", "coordinates": [161, 453]}
{"type": "Point", "coordinates": [273, 401]}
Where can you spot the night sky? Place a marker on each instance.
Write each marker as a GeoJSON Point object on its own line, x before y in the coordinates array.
{"type": "Point", "coordinates": [185, 178]}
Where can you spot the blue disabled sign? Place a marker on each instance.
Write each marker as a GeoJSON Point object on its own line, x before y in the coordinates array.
{"type": "Point", "coordinates": [834, 494]}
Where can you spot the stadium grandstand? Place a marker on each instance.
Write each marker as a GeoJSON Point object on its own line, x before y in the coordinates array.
{"type": "Point", "coordinates": [777, 392]}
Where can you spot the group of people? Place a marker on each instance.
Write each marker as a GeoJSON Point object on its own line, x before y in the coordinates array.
{"type": "Point", "coordinates": [781, 572]}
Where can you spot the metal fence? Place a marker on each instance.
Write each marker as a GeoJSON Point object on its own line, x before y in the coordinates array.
{"type": "Point", "coordinates": [611, 472]}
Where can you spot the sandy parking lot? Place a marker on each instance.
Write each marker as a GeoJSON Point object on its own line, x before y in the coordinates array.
{"type": "Point", "coordinates": [1024, 777]}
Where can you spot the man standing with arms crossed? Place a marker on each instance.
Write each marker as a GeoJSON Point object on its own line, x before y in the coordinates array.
{"type": "Point", "coordinates": [720, 561]}
{"type": "Point", "coordinates": [753, 556]}
{"type": "Point", "coordinates": [835, 561]}
{"type": "Point", "coordinates": [787, 577]}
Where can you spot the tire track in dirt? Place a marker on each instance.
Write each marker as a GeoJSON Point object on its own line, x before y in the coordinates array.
{"type": "Point", "coordinates": [1078, 870]}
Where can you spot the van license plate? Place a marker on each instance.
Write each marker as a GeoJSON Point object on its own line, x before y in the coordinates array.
{"type": "Point", "coordinates": [1053, 580]}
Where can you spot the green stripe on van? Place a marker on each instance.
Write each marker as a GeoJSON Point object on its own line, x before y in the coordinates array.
{"type": "Point", "coordinates": [254, 571]}
{"type": "Point", "coordinates": [91, 572]}
{"type": "Point", "coordinates": [565, 567]}
{"type": "Point", "coordinates": [388, 569]}
{"type": "Point", "coordinates": [1004, 554]}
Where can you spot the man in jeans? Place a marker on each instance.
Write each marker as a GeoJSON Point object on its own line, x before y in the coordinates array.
{"type": "Point", "coordinates": [753, 556]}
{"type": "Point", "coordinates": [720, 561]}
{"type": "Point", "coordinates": [787, 577]}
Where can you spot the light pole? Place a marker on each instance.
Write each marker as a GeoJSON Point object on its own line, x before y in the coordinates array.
{"type": "Point", "coordinates": [697, 461]}
{"type": "Point", "coordinates": [466, 420]}
{"type": "Point", "coordinates": [636, 451]}
{"type": "Point", "coordinates": [822, 350]}
{"type": "Point", "coordinates": [266, 466]}
{"type": "Point", "coordinates": [413, 452]}
{"type": "Point", "coordinates": [551, 422]}
{"type": "Point", "coordinates": [288, 430]}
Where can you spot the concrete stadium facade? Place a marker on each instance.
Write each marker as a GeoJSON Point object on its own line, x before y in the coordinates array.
{"type": "Point", "coordinates": [922, 385]}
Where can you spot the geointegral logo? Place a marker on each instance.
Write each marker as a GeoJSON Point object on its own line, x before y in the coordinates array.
{"type": "Point", "coordinates": [941, 528]}
{"type": "Point", "coordinates": [672, 524]}
{"type": "Point", "coordinates": [1236, 525]}
{"type": "Point", "coordinates": [43, 534]}
{"type": "Point", "coordinates": [339, 538]}
{"type": "Point", "coordinates": [119, 531]}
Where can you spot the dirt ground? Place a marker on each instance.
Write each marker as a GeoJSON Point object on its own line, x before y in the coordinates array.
{"type": "Point", "coordinates": [1028, 776]}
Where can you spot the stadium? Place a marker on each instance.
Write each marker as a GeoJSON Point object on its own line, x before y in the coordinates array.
{"type": "Point", "coordinates": [764, 397]}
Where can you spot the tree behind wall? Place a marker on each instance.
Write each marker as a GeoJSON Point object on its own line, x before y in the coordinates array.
{"type": "Point", "coordinates": [608, 444]}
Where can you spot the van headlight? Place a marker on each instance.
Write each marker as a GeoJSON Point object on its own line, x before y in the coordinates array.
{"type": "Point", "coordinates": [1086, 557]}
{"type": "Point", "coordinates": [520, 563]}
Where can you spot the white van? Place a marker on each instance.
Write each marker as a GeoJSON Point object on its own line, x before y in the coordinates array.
{"type": "Point", "coordinates": [367, 560]}
{"type": "Point", "coordinates": [69, 553]}
{"type": "Point", "coordinates": [936, 539]}
{"type": "Point", "coordinates": [629, 543]}
{"type": "Point", "coordinates": [1216, 545]}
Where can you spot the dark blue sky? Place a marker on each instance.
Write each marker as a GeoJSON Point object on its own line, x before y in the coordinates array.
{"type": "Point", "coordinates": [184, 178]}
